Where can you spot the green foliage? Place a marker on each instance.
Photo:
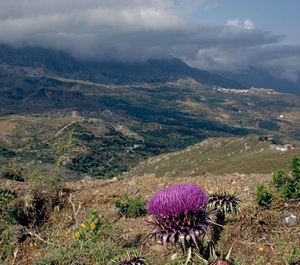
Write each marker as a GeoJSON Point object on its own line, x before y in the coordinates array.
{"type": "Point", "coordinates": [295, 166]}
{"type": "Point", "coordinates": [60, 147]}
{"type": "Point", "coordinates": [7, 210]}
{"type": "Point", "coordinates": [4, 152]}
{"type": "Point", "coordinates": [263, 138]}
{"type": "Point", "coordinates": [13, 214]}
{"type": "Point", "coordinates": [90, 228]}
{"type": "Point", "coordinates": [6, 244]}
{"type": "Point", "coordinates": [91, 243]}
{"type": "Point", "coordinates": [95, 252]}
{"type": "Point", "coordinates": [264, 197]}
{"type": "Point", "coordinates": [107, 156]}
{"type": "Point", "coordinates": [268, 125]}
{"type": "Point", "coordinates": [12, 173]}
{"type": "Point", "coordinates": [290, 252]}
{"type": "Point", "coordinates": [5, 197]}
{"type": "Point", "coordinates": [279, 178]}
{"type": "Point", "coordinates": [131, 207]}
{"type": "Point", "coordinates": [30, 209]}
{"type": "Point", "coordinates": [288, 185]}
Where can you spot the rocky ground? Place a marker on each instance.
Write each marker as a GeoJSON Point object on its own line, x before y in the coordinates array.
{"type": "Point", "coordinates": [133, 232]}
{"type": "Point", "coordinates": [255, 232]}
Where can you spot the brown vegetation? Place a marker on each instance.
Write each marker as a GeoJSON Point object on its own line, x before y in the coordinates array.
{"type": "Point", "coordinates": [258, 236]}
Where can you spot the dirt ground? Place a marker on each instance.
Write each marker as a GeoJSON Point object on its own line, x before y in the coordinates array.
{"type": "Point", "coordinates": [133, 232]}
{"type": "Point", "coordinates": [255, 232]}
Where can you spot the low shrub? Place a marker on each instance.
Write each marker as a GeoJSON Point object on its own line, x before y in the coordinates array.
{"type": "Point", "coordinates": [288, 184]}
{"type": "Point", "coordinates": [284, 183]}
{"type": "Point", "coordinates": [131, 207]}
{"type": "Point", "coordinates": [264, 197]}
{"type": "Point", "coordinates": [11, 173]}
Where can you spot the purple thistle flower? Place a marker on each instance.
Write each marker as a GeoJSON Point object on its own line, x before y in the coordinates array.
{"type": "Point", "coordinates": [179, 215]}
{"type": "Point", "coordinates": [177, 199]}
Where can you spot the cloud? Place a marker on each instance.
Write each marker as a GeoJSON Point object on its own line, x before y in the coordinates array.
{"type": "Point", "coordinates": [248, 24]}
{"type": "Point", "coordinates": [130, 30]}
{"type": "Point", "coordinates": [233, 23]}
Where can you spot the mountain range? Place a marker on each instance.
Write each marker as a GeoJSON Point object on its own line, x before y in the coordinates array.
{"type": "Point", "coordinates": [62, 64]}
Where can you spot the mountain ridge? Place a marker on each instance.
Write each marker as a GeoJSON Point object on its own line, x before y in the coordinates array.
{"type": "Point", "coordinates": [63, 64]}
{"type": "Point", "coordinates": [38, 61]}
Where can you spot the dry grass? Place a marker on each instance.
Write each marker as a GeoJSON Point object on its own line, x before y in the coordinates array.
{"type": "Point", "coordinates": [218, 156]}
{"type": "Point", "coordinates": [259, 236]}
{"type": "Point", "coordinates": [7, 126]}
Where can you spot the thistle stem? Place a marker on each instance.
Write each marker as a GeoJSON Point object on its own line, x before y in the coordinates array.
{"type": "Point", "coordinates": [189, 255]}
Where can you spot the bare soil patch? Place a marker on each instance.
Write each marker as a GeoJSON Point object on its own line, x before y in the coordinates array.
{"type": "Point", "coordinates": [7, 126]}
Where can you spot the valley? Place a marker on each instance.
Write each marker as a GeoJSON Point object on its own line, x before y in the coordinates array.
{"type": "Point", "coordinates": [121, 114]}
{"type": "Point", "coordinates": [82, 143]}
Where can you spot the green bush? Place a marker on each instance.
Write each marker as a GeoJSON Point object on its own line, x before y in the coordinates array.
{"type": "Point", "coordinates": [131, 207]}
{"type": "Point", "coordinates": [288, 184]}
{"type": "Point", "coordinates": [5, 197]}
{"type": "Point", "coordinates": [12, 173]}
{"type": "Point", "coordinates": [6, 243]}
{"type": "Point", "coordinates": [264, 197]}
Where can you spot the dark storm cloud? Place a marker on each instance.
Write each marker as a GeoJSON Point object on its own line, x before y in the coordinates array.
{"type": "Point", "coordinates": [131, 30]}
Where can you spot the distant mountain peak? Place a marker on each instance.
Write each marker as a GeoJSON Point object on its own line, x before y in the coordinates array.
{"type": "Point", "coordinates": [64, 65]}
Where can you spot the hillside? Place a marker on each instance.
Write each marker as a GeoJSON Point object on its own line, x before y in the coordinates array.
{"type": "Point", "coordinates": [258, 235]}
{"type": "Point", "coordinates": [217, 156]}
{"type": "Point", "coordinates": [116, 127]}
{"type": "Point", "coordinates": [109, 146]}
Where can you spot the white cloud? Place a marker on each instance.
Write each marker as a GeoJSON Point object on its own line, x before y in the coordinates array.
{"type": "Point", "coordinates": [248, 24]}
{"type": "Point", "coordinates": [233, 23]}
{"type": "Point", "coordinates": [143, 29]}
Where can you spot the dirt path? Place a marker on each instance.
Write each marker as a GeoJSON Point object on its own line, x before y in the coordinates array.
{"type": "Point", "coordinates": [60, 131]}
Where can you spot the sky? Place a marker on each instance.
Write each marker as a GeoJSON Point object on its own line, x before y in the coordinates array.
{"type": "Point", "coordinates": [213, 35]}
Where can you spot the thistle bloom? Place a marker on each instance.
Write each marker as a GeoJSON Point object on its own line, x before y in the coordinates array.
{"type": "Point", "coordinates": [77, 234]}
{"type": "Point", "coordinates": [179, 214]}
{"type": "Point", "coordinates": [174, 200]}
{"type": "Point", "coordinates": [83, 225]}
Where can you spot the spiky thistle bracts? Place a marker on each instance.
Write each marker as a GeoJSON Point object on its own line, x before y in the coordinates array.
{"type": "Point", "coordinates": [134, 261]}
{"type": "Point", "coordinates": [186, 229]}
{"type": "Point", "coordinates": [224, 201]}
{"type": "Point", "coordinates": [179, 215]}
{"type": "Point", "coordinates": [131, 258]}
{"type": "Point", "coordinates": [214, 259]}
